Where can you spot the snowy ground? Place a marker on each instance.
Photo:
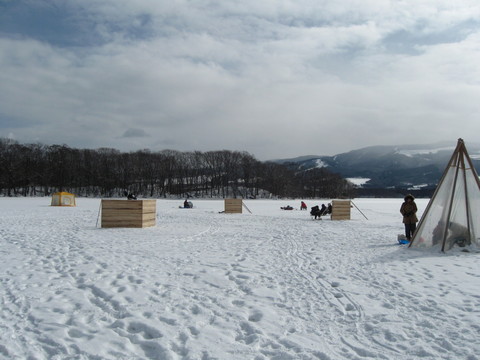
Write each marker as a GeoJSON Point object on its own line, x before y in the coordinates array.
{"type": "Point", "coordinates": [273, 284]}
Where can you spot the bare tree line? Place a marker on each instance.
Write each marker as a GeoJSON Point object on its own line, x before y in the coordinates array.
{"type": "Point", "coordinates": [39, 170]}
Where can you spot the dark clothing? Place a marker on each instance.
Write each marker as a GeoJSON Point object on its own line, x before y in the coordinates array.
{"type": "Point", "coordinates": [409, 212]}
{"type": "Point", "coordinates": [410, 230]}
{"type": "Point", "coordinates": [323, 210]}
{"type": "Point", "coordinates": [316, 211]}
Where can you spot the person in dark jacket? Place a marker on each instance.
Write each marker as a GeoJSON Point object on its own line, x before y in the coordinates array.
{"type": "Point", "coordinates": [323, 210]}
{"type": "Point", "coordinates": [329, 208]}
{"type": "Point", "coordinates": [130, 196]}
{"type": "Point", "coordinates": [315, 211]}
{"type": "Point", "coordinates": [409, 212]}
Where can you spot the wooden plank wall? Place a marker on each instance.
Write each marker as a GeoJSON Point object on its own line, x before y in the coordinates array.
{"type": "Point", "coordinates": [233, 206]}
{"type": "Point", "coordinates": [341, 209]}
{"type": "Point", "coordinates": [128, 213]}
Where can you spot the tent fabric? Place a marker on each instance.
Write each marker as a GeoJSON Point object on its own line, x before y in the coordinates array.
{"type": "Point", "coordinates": [452, 217]}
{"type": "Point", "coordinates": [63, 199]}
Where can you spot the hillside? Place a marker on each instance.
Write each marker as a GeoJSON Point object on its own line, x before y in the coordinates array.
{"type": "Point", "coordinates": [390, 166]}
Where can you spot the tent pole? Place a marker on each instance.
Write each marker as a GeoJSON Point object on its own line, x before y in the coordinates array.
{"type": "Point", "coordinates": [470, 163]}
{"type": "Point", "coordinates": [454, 188]}
{"type": "Point", "coordinates": [245, 206]}
{"type": "Point", "coordinates": [98, 216]}
{"type": "Point", "coordinates": [477, 180]}
{"type": "Point", "coordinates": [359, 209]}
{"type": "Point", "coordinates": [467, 203]}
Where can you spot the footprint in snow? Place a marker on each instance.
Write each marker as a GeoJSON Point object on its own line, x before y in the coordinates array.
{"type": "Point", "coordinates": [238, 303]}
{"type": "Point", "coordinates": [147, 332]}
{"type": "Point", "coordinates": [255, 316]}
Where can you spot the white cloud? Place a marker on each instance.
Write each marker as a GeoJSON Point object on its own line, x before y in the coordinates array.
{"type": "Point", "coordinates": [277, 80]}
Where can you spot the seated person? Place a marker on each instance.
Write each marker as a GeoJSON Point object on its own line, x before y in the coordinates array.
{"type": "Point", "coordinates": [130, 196]}
{"type": "Point", "coordinates": [323, 210]}
{"type": "Point", "coordinates": [288, 207]}
{"type": "Point", "coordinates": [457, 235]}
{"type": "Point", "coordinates": [315, 211]}
{"type": "Point", "coordinates": [329, 208]}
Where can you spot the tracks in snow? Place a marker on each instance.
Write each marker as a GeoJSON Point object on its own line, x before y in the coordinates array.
{"type": "Point", "coordinates": [261, 290]}
{"type": "Point", "coordinates": [315, 272]}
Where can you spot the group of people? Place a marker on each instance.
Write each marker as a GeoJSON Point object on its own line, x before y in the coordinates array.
{"type": "Point", "coordinates": [316, 211]}
{"type": "Point", "coordinates": [303, 206]}
{"type": "Point", "coordinates": [321, 211]}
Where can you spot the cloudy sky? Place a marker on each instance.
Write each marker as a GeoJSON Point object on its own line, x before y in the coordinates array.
{"type": "Point", "coordinates": [276, 78]}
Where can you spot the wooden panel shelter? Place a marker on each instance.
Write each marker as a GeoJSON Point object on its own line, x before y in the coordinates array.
{"type": "Point", "coordinates": [341, 209]}
{"type": "Point", "coordinates": [128, 213]}
{"type": "Point", "coordinates": [233, 206]}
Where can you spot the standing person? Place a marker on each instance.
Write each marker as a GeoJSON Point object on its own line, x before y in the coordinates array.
{"type": "Point", "coordinates": [409, 212]}
{"type": "Point", "coordinates": [303, 206]}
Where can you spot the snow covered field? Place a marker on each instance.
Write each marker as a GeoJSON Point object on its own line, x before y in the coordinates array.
{"type": "Point", "coordinates": [273, 284]}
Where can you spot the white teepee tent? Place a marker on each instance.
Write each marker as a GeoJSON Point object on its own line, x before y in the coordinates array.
{"type": "Point", "coordinates": [452, 216]}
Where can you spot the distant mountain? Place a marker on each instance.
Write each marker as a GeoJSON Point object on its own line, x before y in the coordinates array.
{"type": "Point", "coordinates": [297, 159]}
{"type": "Point", "coordinates": [390, 166]}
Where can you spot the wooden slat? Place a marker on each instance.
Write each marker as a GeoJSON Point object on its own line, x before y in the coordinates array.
{"type": "Point", "coordinates": [341, 206]}
{"type": "Point", "coordinates": [148, 223]}
{"type": "Point", "coordinates": [340, 217]}
{"type": "Point", "coordinates": [128, 204]}
{"type": "Point", "coordinates": [341, 202]}
{"type": "Point", "coordinates": [125, 225]}
{"type": "Point", "coordinates": [121, 217]}
{"type": "Point", "coordinates": [341, 212]}
{"type": "Point", "coordinates": [128, 223]}
{"type": "Point", "coordinates": [149, 205]}
{"type": "Point", "coordinates": [121, 204]}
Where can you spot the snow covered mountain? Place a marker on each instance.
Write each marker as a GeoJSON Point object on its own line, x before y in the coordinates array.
{"type": "Point", "coordinates": [390, 166]}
